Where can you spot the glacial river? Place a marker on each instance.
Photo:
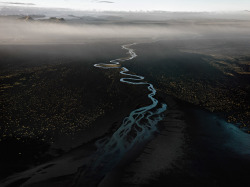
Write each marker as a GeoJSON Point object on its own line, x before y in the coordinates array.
{"type": "Point", "coordinates": [138, 127]}
{"type": "Point", "coordinates": [217, 150]}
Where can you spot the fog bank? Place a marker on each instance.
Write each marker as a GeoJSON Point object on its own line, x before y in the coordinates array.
{"type": "Point", "coordinates": [17, 31]}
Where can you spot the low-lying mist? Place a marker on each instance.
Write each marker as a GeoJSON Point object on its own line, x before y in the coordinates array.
{"type": "Point", "coordinates": [14, 31]}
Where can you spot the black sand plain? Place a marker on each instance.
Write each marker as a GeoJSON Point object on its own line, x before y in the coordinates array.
{"type": "Point", "coordinates": [55, 105]}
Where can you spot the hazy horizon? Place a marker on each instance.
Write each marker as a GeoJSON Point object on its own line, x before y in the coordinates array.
{"type": "Point", "coordinates": [139, 5]}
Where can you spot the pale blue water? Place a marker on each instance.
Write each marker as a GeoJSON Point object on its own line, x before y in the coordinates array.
{"type": "Point", "coordinates": [137, 128]}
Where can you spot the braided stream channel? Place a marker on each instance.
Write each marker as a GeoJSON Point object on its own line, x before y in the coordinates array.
{"type": "Point", "coordinates": [139, 126]}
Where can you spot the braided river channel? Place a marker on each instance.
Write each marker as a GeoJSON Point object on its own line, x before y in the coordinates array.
{"type": "Point", "coordinates": [138, 127]}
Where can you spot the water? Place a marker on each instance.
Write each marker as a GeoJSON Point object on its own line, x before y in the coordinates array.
{"type": "Point", "coordinates": [139, 126]}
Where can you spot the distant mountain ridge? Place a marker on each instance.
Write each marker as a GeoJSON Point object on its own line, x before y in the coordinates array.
{"type": "Point", "coordinates": [51, 19]}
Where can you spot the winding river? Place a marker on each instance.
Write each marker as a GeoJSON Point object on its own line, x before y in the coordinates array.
{"type": "Point", "coordinates": [134, 132]}
{"type": "Point", "coordinates": [206, 133]}
{"type": "Point", "coordinates": [138, 127]}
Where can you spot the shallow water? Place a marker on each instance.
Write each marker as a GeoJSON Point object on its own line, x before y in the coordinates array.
{"type": "Point", "coordinates": [215, 153]}
{"type": "Point", "coordinates": [138, 127]}
{"type": "Point", "coordinates": [219, 134]}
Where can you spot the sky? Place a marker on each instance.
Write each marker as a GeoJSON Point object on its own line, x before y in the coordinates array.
{"type": "Point", "coordinates": [136, 5]}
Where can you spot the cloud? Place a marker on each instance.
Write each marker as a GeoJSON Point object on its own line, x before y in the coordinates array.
{"type": "Point", "coordinates": [16, 3]}
{"type": "Point", "coordinates": [97, 1]}
{"type": "Point", "coordinates": [105, 2]}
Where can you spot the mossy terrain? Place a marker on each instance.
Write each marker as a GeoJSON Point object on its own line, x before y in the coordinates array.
{"type": "Point", "coordinates": [48, 93]}
{"type": "Point", "coordinates": [198, 79]}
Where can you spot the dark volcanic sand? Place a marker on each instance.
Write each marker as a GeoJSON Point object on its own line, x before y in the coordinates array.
{"type": "Point", "coordinates": [198, 77]}
{"type": "Point", "coordinates": [214, 153]}
{"type": "Point", "coordinates": [193, 147]}
{"type": "Point", "coordinates": [59, 97]}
